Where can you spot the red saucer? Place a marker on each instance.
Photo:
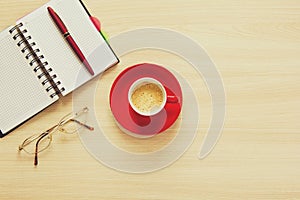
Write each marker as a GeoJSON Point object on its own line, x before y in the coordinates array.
{"type": "Point", "coordinates": [127, 118]}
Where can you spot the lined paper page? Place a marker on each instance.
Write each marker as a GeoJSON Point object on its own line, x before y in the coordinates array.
{"type": "Point", "coordinates": [22, 95]}
{"type": "Point", "coordinates": [70, 71]}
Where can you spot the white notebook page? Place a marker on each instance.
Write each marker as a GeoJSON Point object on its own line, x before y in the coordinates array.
{"type": "Point", "coordinates": [22, 95]}
{"type": "Point", "coordinates": [69, 69]}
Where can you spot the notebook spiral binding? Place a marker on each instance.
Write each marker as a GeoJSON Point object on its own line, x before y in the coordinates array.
{"type": "Point", "coordinates": [36, 60]}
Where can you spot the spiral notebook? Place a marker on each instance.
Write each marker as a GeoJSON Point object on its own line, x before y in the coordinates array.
{"type": "Point", "coordinates": [38, 65]}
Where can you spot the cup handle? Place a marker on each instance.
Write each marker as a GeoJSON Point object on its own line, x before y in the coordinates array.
{"type": "Point", "coordinates": [172, 99]}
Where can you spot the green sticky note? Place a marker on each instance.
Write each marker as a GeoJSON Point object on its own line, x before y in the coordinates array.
{"type": "Point", "coordinates": [105, 36]}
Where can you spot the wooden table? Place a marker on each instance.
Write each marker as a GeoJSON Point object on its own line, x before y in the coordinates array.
{"type": "Point", "coordinates": [255, 46]}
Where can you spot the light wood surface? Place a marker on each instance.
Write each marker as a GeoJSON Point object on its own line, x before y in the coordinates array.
{"type": "Point", "coordinates": [255, 46]}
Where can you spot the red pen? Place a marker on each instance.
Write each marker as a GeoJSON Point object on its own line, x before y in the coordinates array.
{"type": "Point", "coordinates": [63, 29]}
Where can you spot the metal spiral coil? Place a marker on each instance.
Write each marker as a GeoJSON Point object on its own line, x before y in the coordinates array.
{"type": "Point", "coordinates": [35, 60]}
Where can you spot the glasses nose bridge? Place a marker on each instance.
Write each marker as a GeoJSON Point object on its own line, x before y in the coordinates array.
{"type": "Point", "coordinates": [67, 118]}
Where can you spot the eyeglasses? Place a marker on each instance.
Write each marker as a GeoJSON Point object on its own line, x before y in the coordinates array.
{"type": "Point", "coordinates": [69, 124]}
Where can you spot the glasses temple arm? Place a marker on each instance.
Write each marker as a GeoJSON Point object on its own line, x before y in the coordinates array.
{"type": "Point", "coordinates": [37, 144]}
{"type": "Point", "coordinates": [82, 124]}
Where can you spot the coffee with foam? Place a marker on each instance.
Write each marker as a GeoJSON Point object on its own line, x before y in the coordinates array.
{"type": "Point", "coordinates": [147, 97]}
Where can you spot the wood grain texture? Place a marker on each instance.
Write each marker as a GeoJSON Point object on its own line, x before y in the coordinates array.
{"type": "Point", "coordinates": [255, 46]}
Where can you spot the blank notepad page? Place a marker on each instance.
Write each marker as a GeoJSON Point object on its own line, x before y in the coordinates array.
{"type": "Point", "coordinates": [22, 95]}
